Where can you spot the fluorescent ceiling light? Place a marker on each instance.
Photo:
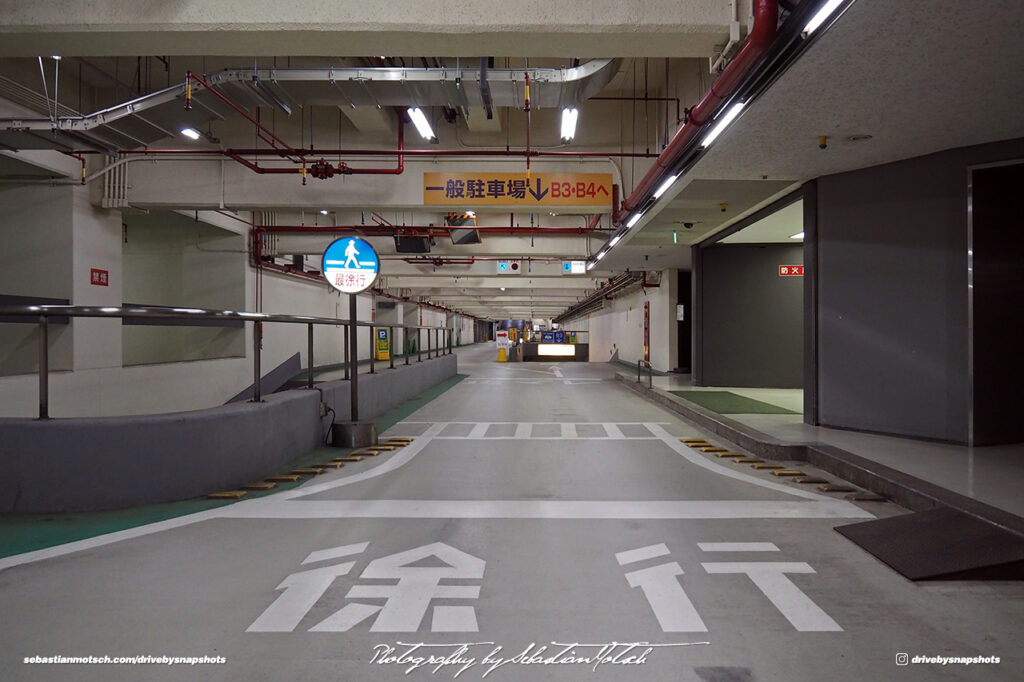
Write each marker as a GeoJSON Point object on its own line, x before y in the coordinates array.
{"type": "Point", "coordinates": [798, 235]}
{"type": "Point", "coordinates": [722, 124]}
{"type": "Point", "coordinates": [824, 13]}
{"type": "Point", "coordinates": [614, 241]}
{"type": "Point", "coordinates": [600, 255]}
{"type": "Point", "coordinates": [56, 57]}
{"type": "Point", "coordinates": [634, 220]}
{"type": "Point", "coordinates": [664, 187]}
{"type": "Point", "coordinates": [569, 116]}
{"type": "Point", "coordinates": [471, 214]}
{"type": "Point", "coordinates": [190, 133]}
{"type": "Point", "coordinates": [591, 265]}
{"type": "Point", "coordinates": [324, 211]}
{"type": "Point", "coordinates": [502, 288]}
{"type": "Point", "coordinates": [420, 121]}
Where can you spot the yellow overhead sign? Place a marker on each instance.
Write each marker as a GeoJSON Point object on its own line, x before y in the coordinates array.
{"type": "Point", "coordinates": [505, 189]}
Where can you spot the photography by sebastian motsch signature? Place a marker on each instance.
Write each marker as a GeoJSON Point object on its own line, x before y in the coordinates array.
{"type": "Point", "coordinates": [488, 656]}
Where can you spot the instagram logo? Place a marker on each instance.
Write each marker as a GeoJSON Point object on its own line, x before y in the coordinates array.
{"type": "Point", "coordinates": [902, 659]}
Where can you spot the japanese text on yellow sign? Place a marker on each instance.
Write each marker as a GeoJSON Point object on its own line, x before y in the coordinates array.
{"type": "Point", "coordinates": [542, 189]}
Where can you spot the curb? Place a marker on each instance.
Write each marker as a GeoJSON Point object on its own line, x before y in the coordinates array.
{"type": "Point", "coordinates": [908, 491]}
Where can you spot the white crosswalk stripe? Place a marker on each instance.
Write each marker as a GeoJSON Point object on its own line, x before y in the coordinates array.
{"type": "Point", "coordinates": [548, 431]}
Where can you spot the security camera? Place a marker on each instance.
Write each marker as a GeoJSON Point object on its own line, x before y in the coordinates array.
{"type": "Point", "coordinates": [823, 142]}
{"type": "Point", "coordinates": [688, 226]}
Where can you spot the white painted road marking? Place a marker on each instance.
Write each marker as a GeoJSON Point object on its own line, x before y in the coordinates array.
{"type": "Point", "coordinates": [737, 547]}
{"type": "Point", "coordinates": [770, 578]}
{"type": "Point", "coordinates": [673, 609]}
{"type": "Point", "coordinates": [641, 554]}
{"type": "Point", "coordinates": [276, 508]}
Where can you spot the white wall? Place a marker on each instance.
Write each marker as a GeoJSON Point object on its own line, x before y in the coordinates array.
{"type": "Point", "coordinates": [174, 260]}
{"type": "Point", "coordinates": [36, 260]}
{"type": "Point", "coordinates": [620, 326]}
{"type": "Point", "coordinates": [54, 236]}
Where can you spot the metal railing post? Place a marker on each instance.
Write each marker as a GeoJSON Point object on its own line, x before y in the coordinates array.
{"type": "Point", "coordinates": [638, 371]}
{"type": "Point", "coordinates": [309, 355]}
{"type": "Point", "coordinates": [44, 368]}
{"type": "Point", "coordinates": [405, 343]}
{"type": "Point", "coordinates": [257, 332]}
{"type": "Point", "coordinates": [373, 346]}
{"type": "Point", "coordinates": [391, 347]}
{"type": "Point", "coordinates": [419, 345]}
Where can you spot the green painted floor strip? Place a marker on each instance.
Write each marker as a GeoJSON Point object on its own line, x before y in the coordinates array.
{"type": "Point", "coordinates": [21, 533]}
{"type": "Point", "coordinates": [726, 402]}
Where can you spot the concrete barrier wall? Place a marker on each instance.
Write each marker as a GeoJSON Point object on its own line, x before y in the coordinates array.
{"type": "Point", "coordinates": [90, 464]}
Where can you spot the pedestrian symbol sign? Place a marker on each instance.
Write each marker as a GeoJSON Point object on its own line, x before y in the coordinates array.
{"type": "Point", "coordinates": [350, 265]}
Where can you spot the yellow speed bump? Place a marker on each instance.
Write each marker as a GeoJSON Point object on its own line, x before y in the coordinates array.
{"type": "Point", "coordinates": [787, 472]}
{"type": "Point", "coordinates": [365, 453]}
{"type": "Point", "coordinates": [693, 440]}
{"type": "Point", "coordinates": [284, 478]}
{"type": "Point", "coordinates": [769, 466]}
{"type": "Point", "coordinates": [729, 454]}
{"type": "Point", "coordinates": [836, 489]}
{"type": "Point", "coordinates": [381, 448]}
{"type": "Point", "coordinates": [702, 444]}
{"type": "Point", "coordinates": [748, 460]}
{"type": "Point", "coordinates": [227, 495]}
{"type": "Point", "coordinates": [810, 479]}
{"type": "Point", "coordinates": [330, 465]}
{"type": "Point", "coordinates": [713, 449]}
{"type": "Point", "coordinates": [308, 471]}
{"type": "Point", "coordinates": [262, 485]}
{"type": "Point", "coordinates": [399, 442]}
{"type": "Point", "coordinates": [348, 459]}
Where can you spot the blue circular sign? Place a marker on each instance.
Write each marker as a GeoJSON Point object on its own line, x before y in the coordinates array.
{"type": "Point", "coordinates": [350, 265]}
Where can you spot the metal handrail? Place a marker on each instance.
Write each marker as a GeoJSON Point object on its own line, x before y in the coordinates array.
{"type": "Point", "coordinates": [44, 312]}
{"type": "Point", "coordinates": [650, 372]}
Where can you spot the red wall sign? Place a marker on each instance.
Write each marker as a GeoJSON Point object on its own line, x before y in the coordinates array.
{"type": "Point", "coordinates": [791, 271]}
{"type": "Point", "coordinates": [100, 278]}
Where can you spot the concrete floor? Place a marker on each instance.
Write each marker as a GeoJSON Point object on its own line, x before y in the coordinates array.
{"type": "Point", "coordinates": [538, 504]}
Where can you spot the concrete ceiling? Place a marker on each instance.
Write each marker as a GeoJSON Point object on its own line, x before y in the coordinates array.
{"type": "Point", "coordinates": [777, 228]}
{"type": "Point", "coordinates": [889, 80]}
{"type": "Point", "coordinates": [916, 77]}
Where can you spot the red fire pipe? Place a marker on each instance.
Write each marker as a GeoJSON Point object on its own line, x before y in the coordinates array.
{"type": "Point", "coordinates": [417, 230]}
{"type": "Point", "coordinates": [534, 153]}
{"type": "Point", "coordinates": [271, 139]}
{"type": "Point", "coordinates": [766, 17]}
{"type": "Point", "coordinates": [81, 159]}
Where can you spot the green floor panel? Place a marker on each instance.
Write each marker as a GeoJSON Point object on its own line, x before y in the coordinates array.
{"type": "Point", "coordinates": [726, 402]}
{"type": "Point", "coordinates": [21, 533]}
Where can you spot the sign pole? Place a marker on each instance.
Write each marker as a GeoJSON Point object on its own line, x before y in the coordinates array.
{"type": "Point", "coordinates": [353, 360]}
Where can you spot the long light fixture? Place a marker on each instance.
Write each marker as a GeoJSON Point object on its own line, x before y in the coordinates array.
{"type": "Point", "coordinates": [614, 241]}
{"type": "Point", "coordinates": [665, 185]}
{"type": "Point", "coordinates": [798, 235]}
{"type": "Point", "coordinates": [600, 255]}
{"type": "Point", "coordinates": [190, 133]}
{"type": "Point", "coordinates": [634, 220]}
{"type": "Point", "coordinates": [418, 118]}
{"type": "Point", "coordinates": [821, 15]}
{"type": "Point", "coordinates": [722, 124]}
{"type": "Point", "coordinates": [569, 116]}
